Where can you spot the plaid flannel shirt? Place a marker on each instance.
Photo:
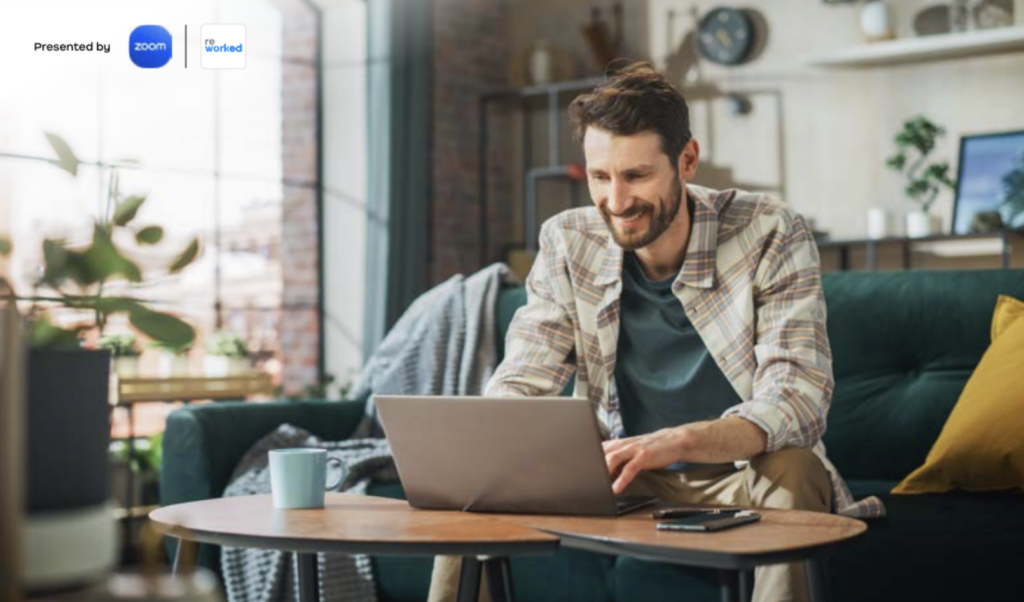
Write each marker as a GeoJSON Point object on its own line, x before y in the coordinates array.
{"type": "Point", "coordinates": [750, 284]}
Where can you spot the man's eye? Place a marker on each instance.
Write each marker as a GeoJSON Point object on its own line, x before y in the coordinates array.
{"type": "Point", "coordinates": [599, 177]}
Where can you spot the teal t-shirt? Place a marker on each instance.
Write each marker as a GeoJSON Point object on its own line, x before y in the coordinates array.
{"type": "Point", "coordinates": [664, 373]}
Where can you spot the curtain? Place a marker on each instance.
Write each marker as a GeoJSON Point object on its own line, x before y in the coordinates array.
{"type": "Point", "coordinates": [399, 88]}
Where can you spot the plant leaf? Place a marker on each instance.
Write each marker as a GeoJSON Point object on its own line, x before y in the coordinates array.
{"type": "Point", "coordinates": [104, 260]}
{"type": "Point", "coordinates": [150, 235]}
{"type": "Point", "coordinates": [897, 161]}
{"type": "Point", "coordinates": [62, 264]}
{"type": "Point", "coordinates": [185, 257]}
{"type": "Point", "coordinates": [126, 210]}
{"type": "Point", "coordinates": [45, 334]}
{"type": "Point", "coordinates": [54, 253]}
{"type": "Point", "coordinates": [5, 246]}
{"type": "Point", "coordinates": [66, 158]}
{"type": "Point", "coordinates": [165, 328]}
{"type": "Point", "coordinates": [107, 305]}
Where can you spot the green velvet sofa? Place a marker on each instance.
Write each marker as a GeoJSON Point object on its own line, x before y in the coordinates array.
{"type": "Point", "coordinates": [904, 345]}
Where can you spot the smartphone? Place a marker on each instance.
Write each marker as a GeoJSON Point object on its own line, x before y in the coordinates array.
{"type": "Point", "coordinates": [709, 522]}
{"type": "Point", "coordinates": [685, 512]}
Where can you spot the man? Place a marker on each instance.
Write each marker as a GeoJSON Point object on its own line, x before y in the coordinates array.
{"type": "Point", "coordinates": [693, 319]}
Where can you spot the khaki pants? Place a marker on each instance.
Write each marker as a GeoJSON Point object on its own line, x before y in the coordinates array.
{"type": "Point", "coordinates": [790, 478]}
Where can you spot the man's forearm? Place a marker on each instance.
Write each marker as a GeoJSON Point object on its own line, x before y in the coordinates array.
{"type": "Point", "coordinates": [724, 440]}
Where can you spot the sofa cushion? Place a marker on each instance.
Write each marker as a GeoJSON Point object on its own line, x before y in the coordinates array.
{"type": "Point", "coordinates": [904, 345]}
{"type": "Point", "coordinates": [510, 298]}
{"type": "Point", "coordinates": [952, 546]}
{"type": "Point", "coordinates": [981, 447]}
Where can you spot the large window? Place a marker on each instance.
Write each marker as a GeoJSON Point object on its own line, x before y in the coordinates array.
{"type": "Point", "coordinates": [205, 146]}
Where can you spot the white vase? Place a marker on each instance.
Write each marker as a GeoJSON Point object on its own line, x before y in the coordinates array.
{"type": "Point", "coordinates": [876, 21]}
{"type": "Point", "coordinates": [878, 223]}
{"type": "Point", "coordinates": [215, 366]}
{"type": "Point", "coordinates": [542, 63]}
{"type": "Point", "coordinates": [219, 366]}
{"type": "Point", "coordinates": [127, 367]}
{"type": "Point", "coordinates": [921, 224]}
{"type": "Point", "coordinates": [171, 365]}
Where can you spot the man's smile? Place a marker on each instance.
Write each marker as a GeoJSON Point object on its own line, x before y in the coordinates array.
{"type": "Point", "coordinates": [629, 219]}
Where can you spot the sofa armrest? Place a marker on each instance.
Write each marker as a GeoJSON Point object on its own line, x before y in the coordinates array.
{"type": "Point", "coordinates": [203, 443]}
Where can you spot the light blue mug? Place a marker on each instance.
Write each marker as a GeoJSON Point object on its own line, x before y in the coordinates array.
{"type": "Point", "coordinates": [298, 477]}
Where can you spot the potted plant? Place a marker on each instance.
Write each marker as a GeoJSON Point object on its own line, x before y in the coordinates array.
{"type": "Point", "coordinates": [924, 179]}
{"type": "Point", "coordinates": [226, 355]}
{"type": "Point", "coordinates": [68, 388]}
{"type": "Point", "coordinates": [144, 464]}
{"type": "Point", "coordinates": [124, 352]}
{"type": "Point", "coordinates": [173, 358]}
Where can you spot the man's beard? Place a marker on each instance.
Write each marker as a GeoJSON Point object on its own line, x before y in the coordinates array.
{"type": "Point", "coordinates": [660, 219]}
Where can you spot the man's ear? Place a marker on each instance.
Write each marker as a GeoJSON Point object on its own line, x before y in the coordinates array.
{"type": "Point", "coordinates": [688, 159]}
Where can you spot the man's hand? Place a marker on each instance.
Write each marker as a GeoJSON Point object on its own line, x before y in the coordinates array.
{"type": "Point", "coordinates": [627, 457]}
{"type": "Point", "coordinates": [715, 441]}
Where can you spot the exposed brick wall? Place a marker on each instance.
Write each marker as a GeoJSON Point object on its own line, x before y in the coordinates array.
{"type": "Point", "coordinates": [471, 57]}
{"type": "Point", "coordinates": [300, 329]}
{"type": "Point", "coordinates": [471, 54]}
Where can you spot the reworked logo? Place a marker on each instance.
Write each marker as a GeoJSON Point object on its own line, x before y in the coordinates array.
{"type": "Point", "coordinates": [149, 46]}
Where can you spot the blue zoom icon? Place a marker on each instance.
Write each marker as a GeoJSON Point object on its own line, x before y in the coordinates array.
{"type": "Point", "coordinates": [150, 46]}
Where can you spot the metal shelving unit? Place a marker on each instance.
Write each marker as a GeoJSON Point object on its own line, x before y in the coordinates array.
{"type": "Point", "coordinates": [522, 97]}
{"type": "Point", "coordinates": [998, 243]}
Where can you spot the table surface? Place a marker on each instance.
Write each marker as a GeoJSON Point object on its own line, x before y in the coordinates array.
{"type": "Point", "coordinates": [351, 524]}
{"type": "Point", "coordinates": [373, 525]}
{"type": "Point", "coordinates": [780, 535]}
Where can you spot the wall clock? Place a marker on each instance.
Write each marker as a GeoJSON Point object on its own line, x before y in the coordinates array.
{"type": "Point", "coordinates": [725, 36]}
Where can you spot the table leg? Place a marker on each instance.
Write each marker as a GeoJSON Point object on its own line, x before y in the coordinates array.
{"type": "Point", "coordinates": [499, 579]}
{"type": "Point", "coordinates": [309, 589]}
{"type": "Point", "coordinates": [129, 498]}
{"type": "Point", "coordinates": [469, 579]}
{"type": "Point", "coordinates": [746, 585]}
{"type": "Point", "coordinates": [817, 579]}
{"type": "Point", "coordinates": [730, 585]}
{"type": "Point", "coordinates": [184, 555]}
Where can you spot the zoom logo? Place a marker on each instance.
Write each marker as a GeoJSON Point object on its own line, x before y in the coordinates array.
{"type": "Point", "coordinates": [149, 46]}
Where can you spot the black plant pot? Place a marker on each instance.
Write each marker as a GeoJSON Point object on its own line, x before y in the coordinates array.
{"type": "Point", "coordinates": [68, 429]}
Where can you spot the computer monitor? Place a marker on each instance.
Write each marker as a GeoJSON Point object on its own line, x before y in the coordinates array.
{"type": "Point", "coordinates": [991, 169]}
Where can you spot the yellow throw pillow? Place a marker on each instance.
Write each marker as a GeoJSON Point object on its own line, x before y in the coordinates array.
{"type": "Point", "coordinates": [981, 447]}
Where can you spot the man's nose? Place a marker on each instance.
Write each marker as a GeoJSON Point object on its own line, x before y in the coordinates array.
{"type": "Point", "coordinates": [619, 198]}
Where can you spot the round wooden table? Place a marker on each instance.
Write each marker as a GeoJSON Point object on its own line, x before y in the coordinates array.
{"type": "Point", "coordinates": [780, 536]}
{"type": "Point", "coordinates": [356, 524]}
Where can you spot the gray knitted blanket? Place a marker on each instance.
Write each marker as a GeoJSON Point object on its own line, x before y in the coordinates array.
{"type": "Point", "coordinates": [444, 344]}
{"type": "Point", "coordinates": [253, 575]}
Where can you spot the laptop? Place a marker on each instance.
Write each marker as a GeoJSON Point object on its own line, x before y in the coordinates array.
{"type": "Point", "coordinates": [530, 455]}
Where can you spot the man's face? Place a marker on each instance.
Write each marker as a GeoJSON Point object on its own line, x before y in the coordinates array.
{"type": "Point", "coordinates": [634, 185]}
